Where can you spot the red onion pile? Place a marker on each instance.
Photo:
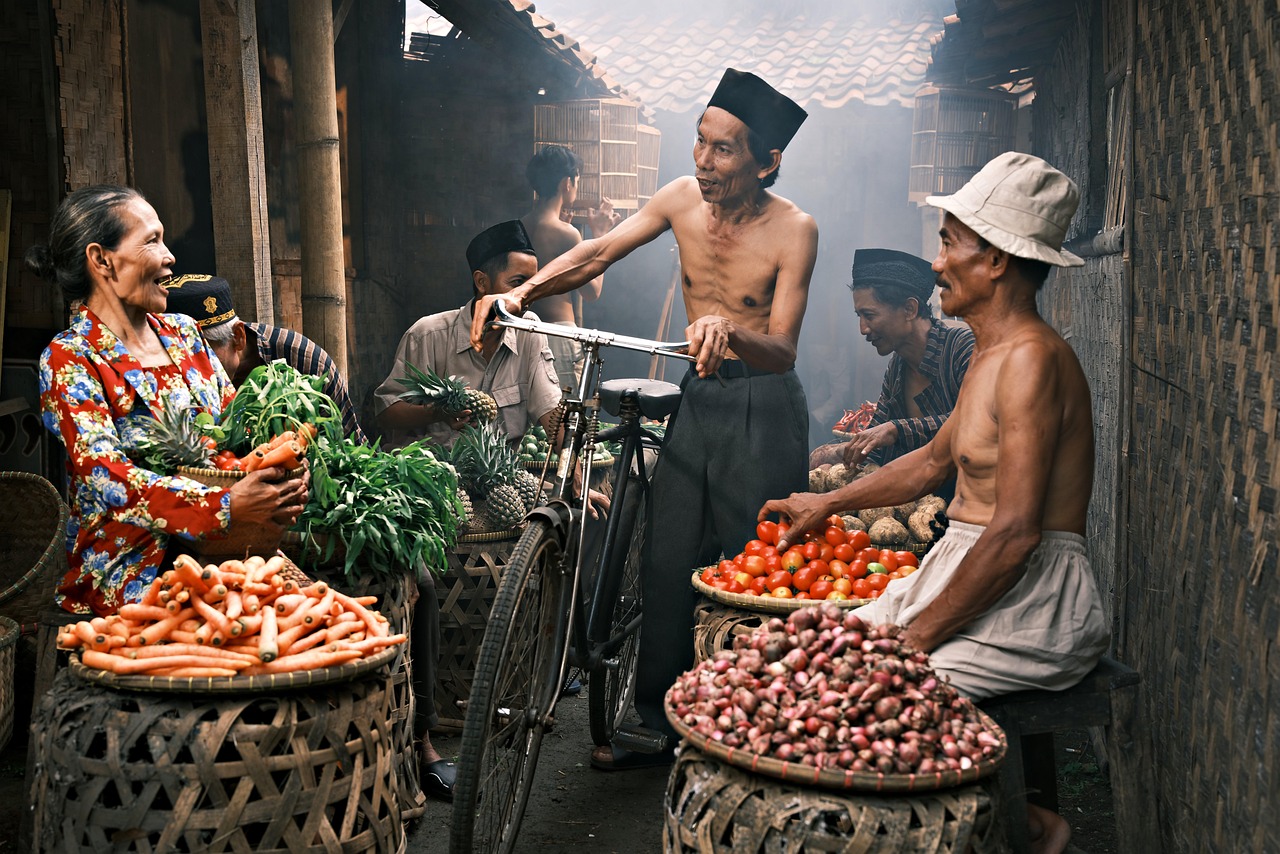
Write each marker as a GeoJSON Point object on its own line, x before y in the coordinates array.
{"type": "Point", "coordinates": [826, 690]}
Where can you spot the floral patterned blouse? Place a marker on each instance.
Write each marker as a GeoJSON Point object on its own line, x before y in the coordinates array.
{"type": "Point", "coordinates": [93, 394]}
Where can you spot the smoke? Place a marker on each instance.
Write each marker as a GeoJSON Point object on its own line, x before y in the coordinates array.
{"type": "Point", "coordinates": [848, 166]}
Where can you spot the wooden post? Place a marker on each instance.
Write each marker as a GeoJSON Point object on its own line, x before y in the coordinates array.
{"type": "Point", "coordinates": [237, 164]}
{"type": "Point", "coordinates": [324, 297]}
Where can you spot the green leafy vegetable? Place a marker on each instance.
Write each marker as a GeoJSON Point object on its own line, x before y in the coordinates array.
{"type": "Point", "coordinates": [275, 398]}
{"type": "Point", "coordinates": [390, 510]}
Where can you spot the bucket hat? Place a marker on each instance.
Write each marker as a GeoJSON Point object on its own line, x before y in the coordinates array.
{"type": "Point", "coordinates": [1018, 203]}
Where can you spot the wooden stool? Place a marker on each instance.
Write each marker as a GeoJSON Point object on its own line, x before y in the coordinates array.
{"type": "Point", "coordinates": [1106, 697]}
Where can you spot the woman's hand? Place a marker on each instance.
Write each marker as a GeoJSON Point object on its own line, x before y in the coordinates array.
{"type": "Point", "coordinates": [265, 497]}
{"type": "Point", "coordinates": [862, 444]}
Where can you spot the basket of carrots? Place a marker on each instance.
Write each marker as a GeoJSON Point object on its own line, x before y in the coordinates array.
{"type": "Point", "coordinates": [243, 625]}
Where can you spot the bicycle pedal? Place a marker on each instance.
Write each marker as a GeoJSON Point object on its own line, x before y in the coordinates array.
{"type": "Point", "coordinates": [641, 739]}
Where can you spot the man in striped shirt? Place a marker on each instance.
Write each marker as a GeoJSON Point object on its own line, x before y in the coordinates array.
{"type": "Point", "coordinates": [928, 359]}
{"type": "Point", "coordinates": [241, 346]}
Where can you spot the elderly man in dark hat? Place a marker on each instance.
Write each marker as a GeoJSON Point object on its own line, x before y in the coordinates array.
{"type": "Point", "coordinates": [241, 346]}
{"type": "Point", "coordinates": [1006, 600]}
{"type": "Point", "coordinates": [741, 435]}
{"type": "Point", "coordinates": [927, 358]}
{"type": "Point", "coordinates": [516, 368]}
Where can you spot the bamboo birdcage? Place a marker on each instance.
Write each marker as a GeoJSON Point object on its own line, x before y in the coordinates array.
{"type": "Point", "coordinates": [955, 132]}
{"type": "Point", "coordinates": [602, 131]}
{"type": "Point", "coordinates": [648, 148]}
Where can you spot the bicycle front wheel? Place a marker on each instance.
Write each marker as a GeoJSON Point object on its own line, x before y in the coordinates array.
{"type": "Point", "coordinates": [512, 694]}
{"type": "Point", "coordinates": [613, 681]}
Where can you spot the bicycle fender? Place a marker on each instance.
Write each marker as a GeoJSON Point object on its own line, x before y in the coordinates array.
{"type": "Point", "coordinates": [557, 514]}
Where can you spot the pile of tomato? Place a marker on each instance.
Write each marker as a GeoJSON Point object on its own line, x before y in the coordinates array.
{"type": "Point", "coordinates": [227, 461]}
{"type": "Point", "coordinates": [827, 563]}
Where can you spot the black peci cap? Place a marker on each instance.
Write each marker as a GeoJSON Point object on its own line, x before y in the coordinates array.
{"type": "Point", "coordinates": [890, 267]}
{"type": "Point", "coordinates": [499, 239]}
{"type": "Point", "coordinates": [206, 299]}
{"type": "Point", "coordinates": [774, 117]}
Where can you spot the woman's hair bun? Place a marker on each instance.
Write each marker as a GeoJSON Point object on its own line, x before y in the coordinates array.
{"type": "Point", "coordinates": [40, 261]}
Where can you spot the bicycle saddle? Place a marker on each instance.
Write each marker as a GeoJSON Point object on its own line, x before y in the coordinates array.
{"type": "Point", "coordinates": [658, 399]}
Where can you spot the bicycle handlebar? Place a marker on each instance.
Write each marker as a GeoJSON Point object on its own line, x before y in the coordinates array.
{"type": "Point", "coordinates": [507, 320]}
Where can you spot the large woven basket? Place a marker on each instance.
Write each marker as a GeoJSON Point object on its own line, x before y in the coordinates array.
{"type": "Point", "coordinates": [714, 808]}
{"type": "Point", "coordinates": [8, 650]}
{"type": "Point", "coordinates": [33, 548]}
{"type": "Point", "coordinates": [308, 771]}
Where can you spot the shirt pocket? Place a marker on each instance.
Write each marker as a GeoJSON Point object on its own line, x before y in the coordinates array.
{"type": "Point", "coordinates": [511, 414]}
{"type": "Point", "coordinates": [549, 364]}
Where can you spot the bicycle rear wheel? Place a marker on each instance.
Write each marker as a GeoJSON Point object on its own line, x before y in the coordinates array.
{"type": "Point", "coordinates": [513, 690]}
{"type": "Point", "coordinates": [613, 681]}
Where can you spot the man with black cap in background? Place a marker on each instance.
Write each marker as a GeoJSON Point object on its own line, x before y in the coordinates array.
{"type": "Point", "coordinates": [515, 367]}
{"type": "Point", "coordinates": [741, 434]}
{"type": "Point", "coordinates": [241, 347]}
{"type": "Point", "coordinates": [928, 358]}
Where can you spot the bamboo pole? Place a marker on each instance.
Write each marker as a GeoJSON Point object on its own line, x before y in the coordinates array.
{"type": "Point", "coordinates": [319, 179]}
{"type": "Point", "coordinates": [237, 162]}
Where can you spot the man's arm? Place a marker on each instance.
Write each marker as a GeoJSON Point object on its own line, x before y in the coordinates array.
{"type": "Point", "coordinates": [1029, 417]}
{"type": "Point", "coordinates": [711, 336]}
{"type": "Point", "coordinates": [586, 261]}
{"type": "Point", "coordinates": [905, 479]}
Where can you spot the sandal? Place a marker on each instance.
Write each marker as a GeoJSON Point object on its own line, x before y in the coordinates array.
{"type": "Point", "coordinates": [614, 758]}
{"type": "Point", "coordinates": [438, 778]}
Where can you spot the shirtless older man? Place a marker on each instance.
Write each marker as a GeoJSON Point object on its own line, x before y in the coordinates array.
{"type": "Point", "coordinates": [741, 434]}
{"type": "Point", "coordinates": [1006, 600]}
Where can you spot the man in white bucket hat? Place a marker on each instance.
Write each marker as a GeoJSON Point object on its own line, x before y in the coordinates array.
{"type": "Point", "coordinates": [1005, 601]}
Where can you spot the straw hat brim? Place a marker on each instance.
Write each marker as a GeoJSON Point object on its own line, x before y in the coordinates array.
{"type": "Point", "coordinates": [1014, 244]}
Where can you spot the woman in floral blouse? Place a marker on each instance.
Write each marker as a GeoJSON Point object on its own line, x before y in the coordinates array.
{"type": "Point", "coordinates": [119, 361]}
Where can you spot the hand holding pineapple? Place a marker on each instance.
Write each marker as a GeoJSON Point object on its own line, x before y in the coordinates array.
{"type": "Point", "coordinates": [448, 400]}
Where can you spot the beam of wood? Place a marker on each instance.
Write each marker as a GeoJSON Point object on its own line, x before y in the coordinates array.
{"type": "Point", "coordinates": [237, 162]}
{"type": "Point", "coordinates": [324, 287]}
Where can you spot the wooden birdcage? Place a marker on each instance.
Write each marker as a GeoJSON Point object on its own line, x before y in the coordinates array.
{"type": "Point", "coordinates": [648, 147]}
{"type": "Point", "coordinates": [602, 131]}
{"type": "Point", "coordinates": [955, 132]}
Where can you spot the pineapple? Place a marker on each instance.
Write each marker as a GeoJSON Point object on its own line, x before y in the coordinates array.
{"type": "Point", "coordinates": [505, 506]}
{"type": "Point", "coordinates": [451, 395]}
{"type": "Point", "coordinates": [173, 439]}
{"type": "Point", "coordinates": [529, 488]}
{"type": "Point", "coordinates": [487, 472]}
{"type": "Point", "coordinates": [467, 520]}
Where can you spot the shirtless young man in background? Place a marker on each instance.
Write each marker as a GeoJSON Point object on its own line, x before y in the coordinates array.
{"type": "Point", "coordinates": [553, 174]}
{"type": "Point", "coordinates": [741, 434]}
{"type": "Point", "coordinates": [1005, 601]}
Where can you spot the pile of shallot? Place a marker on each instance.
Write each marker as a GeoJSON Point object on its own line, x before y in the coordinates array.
{"type": "Point", "coordinates": [826, 690]}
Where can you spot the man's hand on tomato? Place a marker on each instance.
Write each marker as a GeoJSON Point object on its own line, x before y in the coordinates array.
{"type": "Point", "coordinates": [804, 510]}
{"type": "Point", "coordinates": [709, 340]}
{"type": "Point", "coordinates": [862, 444]}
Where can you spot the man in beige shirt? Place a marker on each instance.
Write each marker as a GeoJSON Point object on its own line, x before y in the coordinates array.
{"type": "Point", "coordinates": [516, 368]}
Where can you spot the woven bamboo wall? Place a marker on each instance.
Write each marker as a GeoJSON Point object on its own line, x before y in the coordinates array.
{"type": "Point", "coordinates": [24, 166]}
{"type": "Point", "coordinates": [1203, 611]}
{"type": "Point", "coordinates": [1084, 303]}
{"type": "Point", "coordinates": [89, 54]}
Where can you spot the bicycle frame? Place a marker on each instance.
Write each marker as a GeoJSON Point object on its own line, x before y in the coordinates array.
{"type": "Point", "coordinates": [577, 445]}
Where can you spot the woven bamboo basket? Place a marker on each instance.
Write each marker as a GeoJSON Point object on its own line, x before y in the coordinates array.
{"type": "Point", "coordinates": [9, 633]}
{"type": "Point", "coordinates": [300, 771]}
{"type": "Point", "coordinates": [475, 568]}
{"type": "Point", "coordinates": [715, 626]}
{"type": "Point", "coordinates": [712, 807]}
{"type": "Point", "coordinates": [395, 602]}
{"type": "Point", "coordinates": [33, 549]}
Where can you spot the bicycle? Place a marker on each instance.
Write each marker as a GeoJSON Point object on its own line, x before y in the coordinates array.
{"type": "Point", "coordinates": [550, 609]}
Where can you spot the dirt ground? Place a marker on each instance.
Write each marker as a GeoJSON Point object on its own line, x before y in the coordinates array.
{"type": "Point", "coordinates": [577, 808]}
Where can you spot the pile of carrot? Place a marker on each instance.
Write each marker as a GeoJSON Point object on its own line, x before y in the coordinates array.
{"type": "Point", "coordinates": [240, 618]}
{"type": "Point", "coordinates": [286, 450]}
